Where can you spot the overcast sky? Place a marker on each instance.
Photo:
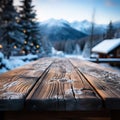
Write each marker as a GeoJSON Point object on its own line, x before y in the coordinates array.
{"type": "Point", "coordinates": [72, 10]}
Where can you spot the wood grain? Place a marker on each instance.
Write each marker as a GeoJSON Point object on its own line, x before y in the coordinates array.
{"type": "Point", "coordinates": [16, 84]}
{"type": "Point", "coordinates": [62, 88]}
{"type": "Point", "coordinates": [109, 76]}
{"type": "Point", "coordinates": [58, 84]}
{"type": "Point", "coordinates": [109, 95]}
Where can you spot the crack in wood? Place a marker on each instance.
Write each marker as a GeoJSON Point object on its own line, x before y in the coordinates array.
{"type": "Point", "coordinates": [55, 84]}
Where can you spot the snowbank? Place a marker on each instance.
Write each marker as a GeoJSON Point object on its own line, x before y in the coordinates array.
{"type": "Point", "coordinates": [14, 62]}
{"type": "Point", "coordinates": [57, 53]}
{"type": "Point", "coordinates": [28, 57]}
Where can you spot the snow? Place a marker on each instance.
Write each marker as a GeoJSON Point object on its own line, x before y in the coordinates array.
{"type": "Point", "coordinates": [75, 90]}
{"type": "Point", "coordinates": [106, 65]}
{"type": "Point", "coordinates": [77, 50]}
{"type": "Point", "coordinates": [1, 55]}
{"type": "Point", "coordinates": [10, 64]}
{"type": "Point", "coordinates": [107, 60]}
{"type": "Point", "coordinates": [18, 61]}
{"type": "Point", "coordinates": [9, 85]}
{"type": "Point", "coordinates": [57, 53]}
{"type": "Point", "coordinates": [85, 27]}
{"type": "Point", "coordinates": [103, 64]}
{"type": "Point", "coordinates": [81, 26]}
{"type": "Point", "coordinates": [28, 57]}
{"type": "Point", "coordinates": [14, 62]}
{"type": "Point", "coordinates": [106, 46]}
{"type": "Point", "coordinates": [3, 70]}
{"type": "Point", "coordinates": [74, 56]}
{"type": "Point", "coordinates": [78, 91]}
{"type": "Point", "coordinates": [11, 95]}
{"type": "Point", "coordinates": [54, 22]}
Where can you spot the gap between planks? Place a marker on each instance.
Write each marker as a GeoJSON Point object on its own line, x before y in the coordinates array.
{"type": "Point", "coordinates": [63, 89]}
{"type": "Point", "coordinates": [110, 98]}
{"type": "Point", "coordinates": [15, 85]}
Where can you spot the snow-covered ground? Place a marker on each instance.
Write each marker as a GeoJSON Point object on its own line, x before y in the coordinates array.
{"type": "Point", "coordinates": [74, 56]}
{"type": "Point", "coordinates": [18, 61]}
{"type": "Point", "coordinates": [15, 62]}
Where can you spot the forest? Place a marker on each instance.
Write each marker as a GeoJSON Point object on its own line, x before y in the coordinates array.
{"type": "Point", "coordinates": [22, 35]}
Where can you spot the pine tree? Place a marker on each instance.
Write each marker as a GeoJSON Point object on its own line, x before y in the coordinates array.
{"type": "Point", "coordinates": [2, 5]}
{"type": "Point", "coordinates": [32, 42]}
{"type": "Point", "coordinates": [110, 31]}
{"type": "Point", "coordinates": [11, 37]}
{"type": "Point", "coordinates": [77, 50]}
{"type": "Point", "coordinates": [1, 9]}
{"type": "Point", "coordinates": [87, 51]}
{"type": "Point", "coordinates": [47, 46]}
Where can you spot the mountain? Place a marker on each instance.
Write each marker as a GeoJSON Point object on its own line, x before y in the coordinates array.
{"type": "Point", "coordinates": [81, 26]}
{"type": "Point", "coordinates": [85, 27]}
{"type": "Point", "coordinates": [64, 36]}
{"type": "Point", "coordinates": [116, 24]}
{"type": "Point", "coordinates": [57, 30]}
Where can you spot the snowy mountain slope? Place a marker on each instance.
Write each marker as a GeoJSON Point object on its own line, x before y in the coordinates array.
{"type": "Point", "coordinates": [57, 30]}
{"type": "Point", "coordinates": [116, 24]}
{"type": "Point", "coordinates": [81, 26]}
{"type": "Point", "coordinates": [85, 27]}
{"type": "Point", "coordinates": [63, 30]}
{"type": "Point", "coordinates": [53, 22]}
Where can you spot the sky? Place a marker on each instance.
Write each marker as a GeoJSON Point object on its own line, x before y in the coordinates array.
{"type": "Point", "coordinates": [78, 10]}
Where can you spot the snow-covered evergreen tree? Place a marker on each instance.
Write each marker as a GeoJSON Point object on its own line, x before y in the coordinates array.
{"type": "Point", "coordinates": [77, 50]}
{"type": "Point", "coordinates": [11, 37]}
{"type": "Point", "coordinates": [87, 50]}
{"type": "Point", "coordinates": [47, 46]}
{"type": "Point", "coordinates": [69, 47]}
{"type": "Point", "coordinates": [1, 8]}
{"type": "Point", "coordinates": [110, 31]}
{"type": "Point", "coordinates": [2, 5]}
{"type": "Point", "coordinates": [117, 33]}
{"type": "Point", "coordinates": [32, 42]}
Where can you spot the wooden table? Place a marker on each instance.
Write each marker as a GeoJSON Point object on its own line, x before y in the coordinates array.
{"type": "Point", "coordinates": [59, 88]}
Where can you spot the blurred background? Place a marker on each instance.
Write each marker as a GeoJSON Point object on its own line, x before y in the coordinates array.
{"type": "Point", "coordinates": [31, 29]}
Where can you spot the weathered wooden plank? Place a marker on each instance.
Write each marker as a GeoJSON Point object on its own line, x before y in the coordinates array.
{"type": "Point", "coordinates": [62, 88]}
{"type": "Point", "coordinates": [58, 86]}
{"type": "Point", "coordinates": [111, 98]}
{"type": "Point", "coordinates": [110, 76]}
{"type": "Point", "coordinates": [16, 84]}
{"type": "Point", "coordinates": [44, 94]}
